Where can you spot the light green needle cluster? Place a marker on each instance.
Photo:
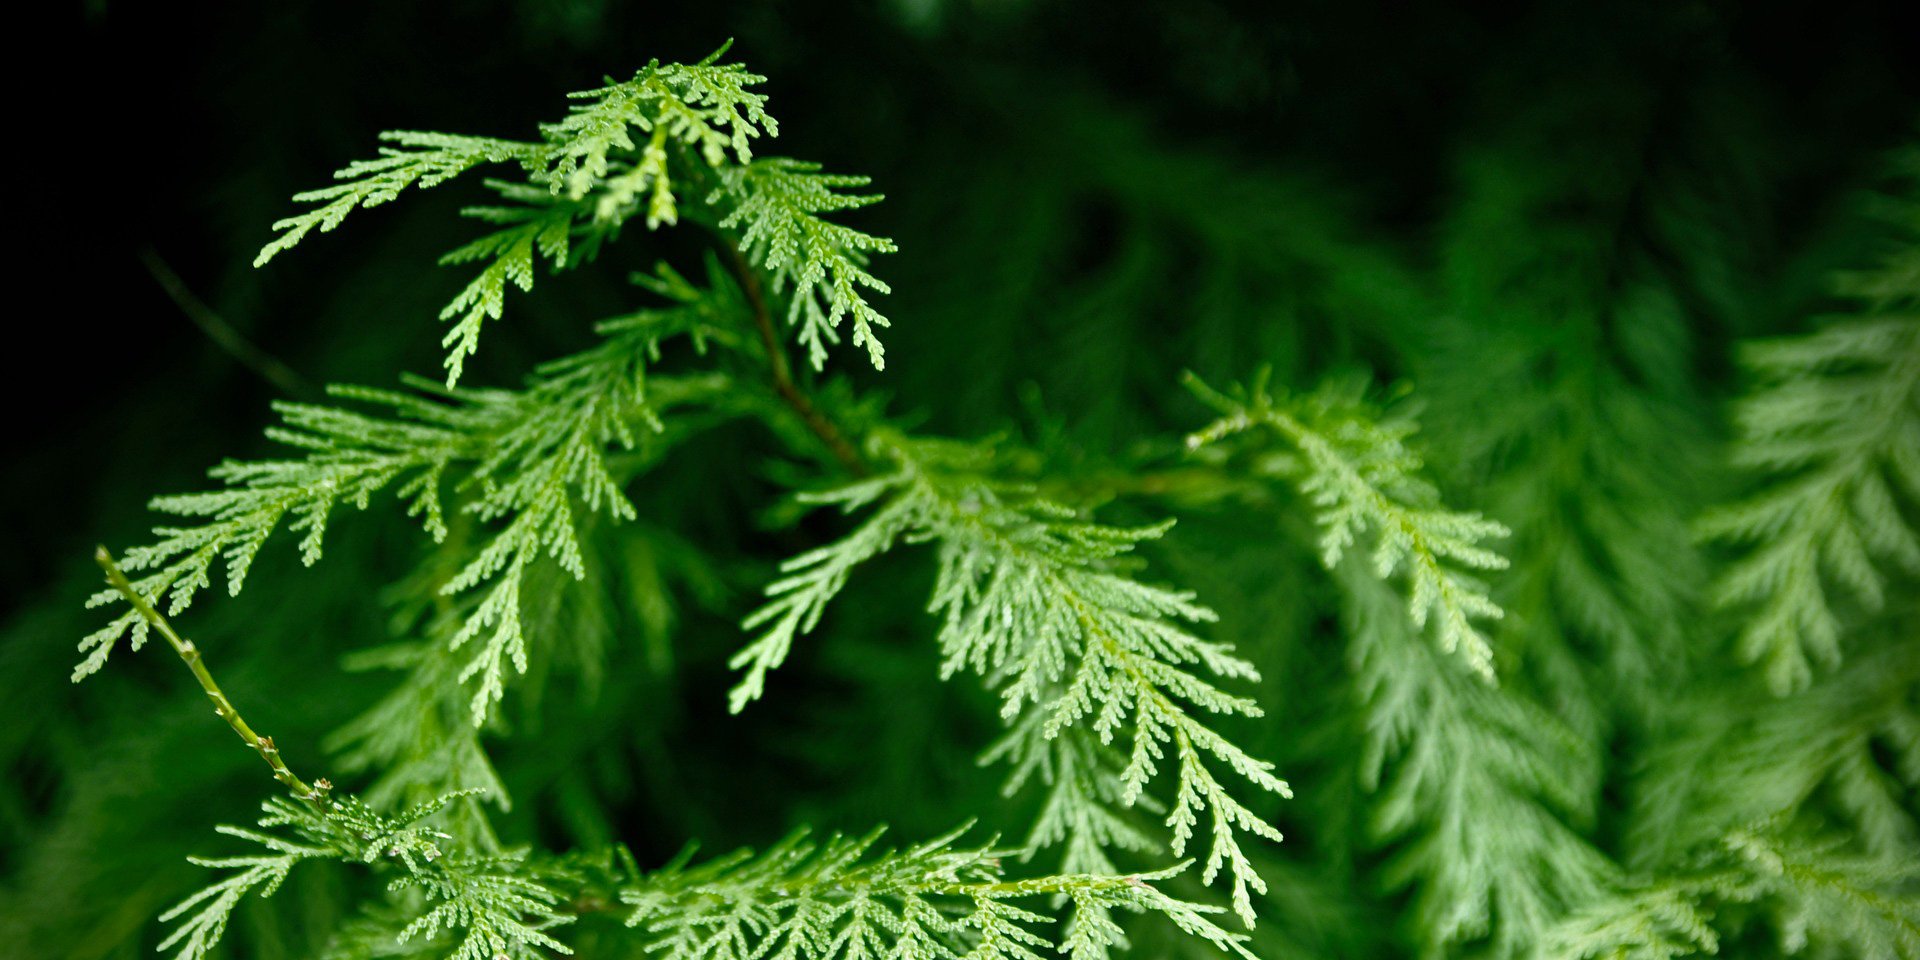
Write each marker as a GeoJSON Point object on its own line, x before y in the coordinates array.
{"type": "Point", "coordinates": [1476, 784]}
{"type": "Point", "coordinates": [1103, 684]}
{"type": "Point", "coordinates": [621, 152]}
{"type": "Point", "coordinates": [1042, 605]}
{"type": "Point", "coordinates": [1364, 482]}
{"type": "Point", "coordinates": [473, 908]}
{"type": "Point", "coordinates": [800, 899]}
{"type": "Point", "coordinates": [779, 208]}
{"type": "Point", "coordinates": [806, 900]}
{"type": "Point", "coordinates": [524, 464]}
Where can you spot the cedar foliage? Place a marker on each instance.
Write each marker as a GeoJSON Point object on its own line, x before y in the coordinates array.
{"type": "Point", "coordinates": [1495, 539]}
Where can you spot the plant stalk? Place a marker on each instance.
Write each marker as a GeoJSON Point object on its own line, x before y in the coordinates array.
{"type": "Point", "coordinates": [782, 371]}
{"type": "Point", "coordinates": [190, 654]}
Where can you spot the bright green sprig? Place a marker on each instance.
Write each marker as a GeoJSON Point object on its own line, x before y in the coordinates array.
{"type": "Point", "coordinates": [820, 265]}
{"type": "Point", "coordinates": [1855, 904]}
{"type": "Point", "coordinates": [837, 898]}
{"type": "Point", "coordinates": [418, 739]}
{"type": "Point", "coordinates": [1363, 479]}
{"type": "Point", "coordinates": [1660, 922]}
{"type": "Point", "coordinates": [1039, 603]}
{"type": "Point", "coordinates": [261, 873]}
{"type": "Point", "coordinates": [707, 106]}
{"type": "Point", "coordinates": [490, 906]}
{"type": "Point", "coordinates": [578, 182]}
{"type": "Point", "coordinates": [619, 153]}
{"type": "Point", "coordinates": [802, 900]}
{"type": "Point", "coordinates": [1085, 808]}
{"type": "Point", "coordinates": [419, 159]}
{"type": "Point", "coordinates": [528, 459]}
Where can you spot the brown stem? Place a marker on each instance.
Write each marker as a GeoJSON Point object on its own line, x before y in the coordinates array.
{"type": "Point", "coordinates": [235, 343]}
{"type": "Point", "coordinates": [782, 371]}
{"type": "Point", "coordinates": [190, 654]}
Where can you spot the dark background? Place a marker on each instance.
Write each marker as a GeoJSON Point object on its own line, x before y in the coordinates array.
{"type": "Point", "coordinates": [182, 129]}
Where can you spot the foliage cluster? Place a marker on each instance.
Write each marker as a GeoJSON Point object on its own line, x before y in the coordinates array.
{"type": "Point", "coordinates": [1549, 589]}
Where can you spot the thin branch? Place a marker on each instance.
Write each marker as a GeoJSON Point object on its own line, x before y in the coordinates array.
{"type": "Point", "coordinates": [235, 343]}
{"type": "Point", "coordinates": [782, 371]}
{"type": "Point", "coordinates": [190, 654]}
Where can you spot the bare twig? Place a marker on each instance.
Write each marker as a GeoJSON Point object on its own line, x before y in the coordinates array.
{"type": "Point", "coordinates": [782, 371]}
{"type": "Point", "coordinates": [217, 329]}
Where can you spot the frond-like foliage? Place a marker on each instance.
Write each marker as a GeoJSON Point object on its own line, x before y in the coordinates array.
{"type": "Point", "coordinates": [707, 106]}
{"type": "Point", "coordinates": [526, 462]}
{"type": "Point", "coordinates": [1824, 898]}
{"type": "Point", "coordinates": [1833, 424]}
{"type": "Point", "coordinates": [1844, 754]}
{"type": "Point", "coordinates": [487, 914]}
{"type": "Point", "coordinates": [1039, 603]}
{"type": "Point", "coordinates": [1826, 895]}
{"type": "Point", "coordinates": [1475, 781]}
{"type": "Point", "coordinates": [1663, 922]}
{"type": "Point", "coordinates": [1476, 784]}
{"type": "Point", "coordinates": [1491, 656]}
{"type": "Point", "coordinates": [618, 154]}
{"type": "Point", "coordinates": [779, 208]}
{"type": "Point", "coordinates": [1793, 811]}
{"type": "Point", "coordinates": [416, 159]}
{"type": "Point", "coordinates": [1086, 807]}
{"type": "Point", "coordinates": [212, 906]}
{"type": "Point", "coordinates": [837, 898]}
{"type": "Point", "coordinates": [491, 906]}
{"type": "Point", "coordinates": [1585, 261]}
{"type": "Point", "coordinates": [1365, 483]}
